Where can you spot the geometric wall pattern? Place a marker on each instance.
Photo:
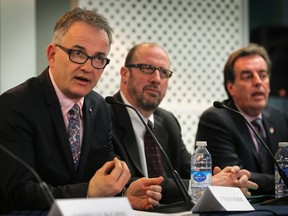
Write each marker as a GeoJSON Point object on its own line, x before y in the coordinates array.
{"type": "Point", "coordinates": [198, 36]}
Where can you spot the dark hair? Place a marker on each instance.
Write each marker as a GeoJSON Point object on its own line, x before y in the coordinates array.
{"type": "Point", "coordinates": [80, 15]}
{"type": "Point", "coordinates": [251, 49]}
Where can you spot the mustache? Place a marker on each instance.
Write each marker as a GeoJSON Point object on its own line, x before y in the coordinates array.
{"type": "Point", "coordinates": [152, 86]}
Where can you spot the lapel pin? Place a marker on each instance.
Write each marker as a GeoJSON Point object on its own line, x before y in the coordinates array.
{"type": "Point", "coordinates": [271, 130]}
{"type": "Point", "coordinates": [90, 110]}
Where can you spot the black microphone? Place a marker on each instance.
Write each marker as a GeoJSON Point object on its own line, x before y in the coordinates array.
{"type": "Point", "coordinates": [220, 105]}
{"type": "Point", "coordinates": [171, 208]}
{"type": "Point", "coordinates": [45, 189]}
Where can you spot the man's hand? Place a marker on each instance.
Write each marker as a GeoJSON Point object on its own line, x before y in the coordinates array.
{"type": "Point", "coordinates": [109, 180]}
{"type": "Point", "coordinates": [145, 193]}
{"type": "Point", "coordinates": [235, 177]}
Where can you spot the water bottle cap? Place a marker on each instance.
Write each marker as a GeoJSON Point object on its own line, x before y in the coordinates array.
{"type": "Point", "coordinates": [201, 143]}
{"type": "Point", "coordinates": [283, 144]}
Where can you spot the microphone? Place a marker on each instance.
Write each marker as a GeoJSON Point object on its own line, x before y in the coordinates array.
{"type": "Point", "coordinates": [220, 105]}
{"type": "Point", "coordinates": [171, 208]}
{"type": "Point", "coordinates": [45, 189]}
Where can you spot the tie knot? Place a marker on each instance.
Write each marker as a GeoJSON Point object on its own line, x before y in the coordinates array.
{"type": "Point", "coordinates": [74, 110]}
{"type": "Point", "coordinates": [257, 123]}
{"type": "Point", "coordinates": [150, 125]}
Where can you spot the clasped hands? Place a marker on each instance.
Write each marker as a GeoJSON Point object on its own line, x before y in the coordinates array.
{"type": "Point", "coordinates": [235, 177]}
{"type": "Point", "coordinates": [111, 178]}
{"type": "Point", "coordinates": [145, 193]}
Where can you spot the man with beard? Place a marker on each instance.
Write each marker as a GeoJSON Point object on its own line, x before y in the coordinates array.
{"type": "Point", "coordinates": [144, 81]}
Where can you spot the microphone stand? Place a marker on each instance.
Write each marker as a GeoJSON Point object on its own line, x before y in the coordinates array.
{"type": "Point", "coordinates": [44, 187]}
{"type": "Point", "coordinates": [179, 206]}
{"type": "Point", "coordinates": [220, 105]}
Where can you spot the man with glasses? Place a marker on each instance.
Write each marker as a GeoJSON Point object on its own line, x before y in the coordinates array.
{"type": "Point", "coordinates": [229, 139]}
{"type": "Point", "coordinates": [59, 126]}
{"type": "Point", "coordinates": [144, 81]}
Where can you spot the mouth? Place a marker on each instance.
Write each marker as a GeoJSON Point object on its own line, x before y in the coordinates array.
{"type": "Point", "coordinates": [82, 79]}
{"type": "Point", "coordinates": [152, 91]}
{"type": "Point", "coordinates": [258, 94]}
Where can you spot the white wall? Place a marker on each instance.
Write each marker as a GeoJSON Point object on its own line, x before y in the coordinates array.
{"type": "Point", "coordinates": [198, 35]}
{"type": "Point", "coordinates": [17, 42]}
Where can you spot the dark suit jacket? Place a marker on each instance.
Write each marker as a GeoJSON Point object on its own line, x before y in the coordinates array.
{"type": "Point", "coordinates": [167, 130]}
{"type": "Point", "coordinates": [230, 143]}
{"type": "Point", "coordinates": [32, 127]}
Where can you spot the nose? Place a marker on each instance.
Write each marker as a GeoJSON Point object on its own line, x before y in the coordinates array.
{"type": "Point", "coordinates": [87, 66]}
{"type": "Point", "coordinates": [256, 78]}
{"type": "Point", "coordinates": [156, 76]}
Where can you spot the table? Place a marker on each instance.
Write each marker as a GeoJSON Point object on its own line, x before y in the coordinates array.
{"type": "Point", "coordinates": [260, 210]}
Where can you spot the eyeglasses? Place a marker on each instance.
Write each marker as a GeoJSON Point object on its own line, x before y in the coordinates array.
{"type": "Point", "coordinates": [79, 57]}
{"type": "Point", "coordinates": [150, 69]}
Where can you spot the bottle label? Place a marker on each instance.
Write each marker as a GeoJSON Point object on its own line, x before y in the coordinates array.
{"type": "Point", "coordinates": [286, 171]}
{"type": "Point", "coordinates": [278, 178]}
{"type": "Point", "coordinates": [201, 179]}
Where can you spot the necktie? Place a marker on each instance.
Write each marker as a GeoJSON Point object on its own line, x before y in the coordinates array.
{"type": "Point", "coordinates": [74, 133]}
{"type": "Point", "coordinates": [262, 152]}
{"type": "Point", "coordinates": [153, 155]}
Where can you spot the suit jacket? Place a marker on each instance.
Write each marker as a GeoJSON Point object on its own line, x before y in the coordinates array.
{"type": "Point", "coordinates": [167, 130]}
{"type": "Point", "coordinates": [230, 143]}
{"type": "Point", "coordinates": [32, 127]}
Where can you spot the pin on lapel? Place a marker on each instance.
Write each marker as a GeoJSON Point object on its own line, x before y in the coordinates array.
{"type": "Point", "coordinates": [90, 109]}
{"type": "Point", "coordinates": [271, 130]}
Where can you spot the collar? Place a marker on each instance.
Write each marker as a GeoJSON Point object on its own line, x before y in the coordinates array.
{"type": "Point", "coordinates": [65, 102]}
{"type": "Point", "coordinates": [133, 115]}
{"type": "Point", "coordinates": [247, 117]}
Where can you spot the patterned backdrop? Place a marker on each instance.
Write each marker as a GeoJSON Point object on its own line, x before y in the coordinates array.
{"type": "Point", "coordinates": [197, 34]}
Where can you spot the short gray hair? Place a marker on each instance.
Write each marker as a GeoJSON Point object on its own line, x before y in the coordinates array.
{"type": "Point", "coordinates": [80, 15]}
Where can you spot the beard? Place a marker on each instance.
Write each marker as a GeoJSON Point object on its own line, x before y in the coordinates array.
{"type": "Point", "coordinates": [148, 103]}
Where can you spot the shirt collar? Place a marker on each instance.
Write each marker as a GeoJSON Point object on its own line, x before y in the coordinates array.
{"type": "Point", "coordinates": [65, 102]}
{"type": "Point", "coordinates": [134, 117]}
{"type": "Point", "coordinates": [247, 117]}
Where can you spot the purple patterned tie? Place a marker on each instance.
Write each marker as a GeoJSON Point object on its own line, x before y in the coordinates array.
{"type": "Point", "coordinates": [153, 155]}
{"type": "Point", "coordinates": [74, 133]}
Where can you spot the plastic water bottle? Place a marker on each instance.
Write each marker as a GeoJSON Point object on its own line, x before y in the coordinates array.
{"type": "Point", "coordinates": [201, 170]}
{"type": "Point", "coordinates": [282, 159]}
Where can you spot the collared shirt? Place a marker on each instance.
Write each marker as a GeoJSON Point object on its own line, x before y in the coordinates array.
{"type": "Point", "coordinates": [250, 119]}
{"type": "Point", "coordinates": [139, 131]}
{"type": "Point", "coordinates": [66, 105]}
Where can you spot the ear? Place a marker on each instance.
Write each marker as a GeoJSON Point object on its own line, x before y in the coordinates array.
{"type": "Point", "coordinates": [125, 73]}
{"type": "Point", "coordinates": [50, 53]}
{"type": "Point", "coordinates": [230, 87]}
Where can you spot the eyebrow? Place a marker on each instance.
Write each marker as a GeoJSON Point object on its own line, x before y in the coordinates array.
{"type": "Point", "coordinates": [245, 71]}
{"type": "Point", "coordinates": [84, 50]}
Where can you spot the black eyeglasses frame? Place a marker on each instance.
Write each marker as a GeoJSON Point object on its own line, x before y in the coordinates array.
{"type": "Point", "coordinates": [71, 51]}
{"type": "Point", "coordinates": [142, 68]}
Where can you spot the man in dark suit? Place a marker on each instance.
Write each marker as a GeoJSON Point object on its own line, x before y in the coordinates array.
{"type": "Point", "coordinates": [230, 141]}
{"type": "Point", "coordinates": [35, 120]}
{"type": "Point", "coordinates": [144, 80]}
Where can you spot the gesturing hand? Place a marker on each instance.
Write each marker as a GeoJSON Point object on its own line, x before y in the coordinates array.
{"type": "Point", "coordinates": [109, 180]}
{"type": "Point", "coordinates": [145, 193]}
